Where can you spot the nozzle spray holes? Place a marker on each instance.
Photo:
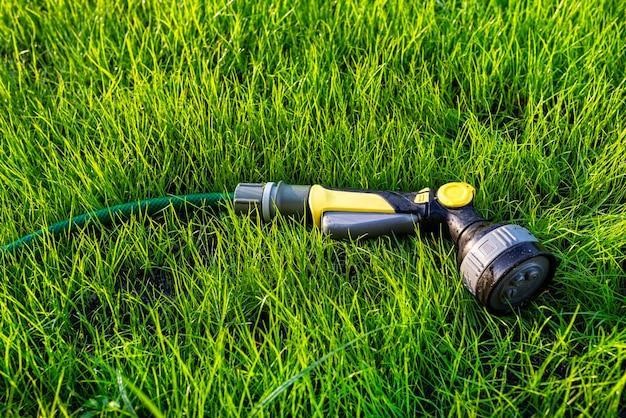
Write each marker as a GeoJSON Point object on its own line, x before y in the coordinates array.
{"type": "Point", "coordinates": [521, 283]}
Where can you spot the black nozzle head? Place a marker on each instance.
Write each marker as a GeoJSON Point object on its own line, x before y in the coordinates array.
{"type": "Point", "coordinates": [504, 266]}
{"type": "Point", "coordinates": [515, 277]}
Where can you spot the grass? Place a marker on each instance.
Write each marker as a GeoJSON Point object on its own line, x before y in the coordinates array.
{"type": "Point", "coordinates": [206, 313]}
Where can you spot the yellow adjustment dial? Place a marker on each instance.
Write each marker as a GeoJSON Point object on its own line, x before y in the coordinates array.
{"type": "Point", "coordinates": [455, 195]}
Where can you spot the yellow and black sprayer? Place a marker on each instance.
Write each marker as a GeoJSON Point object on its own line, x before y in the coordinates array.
{"type": "Point", "coordinates": [502, 265]}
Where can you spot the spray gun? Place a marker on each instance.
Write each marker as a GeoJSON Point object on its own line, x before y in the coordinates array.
{"type": "Point", "coordinates": [502, 265]}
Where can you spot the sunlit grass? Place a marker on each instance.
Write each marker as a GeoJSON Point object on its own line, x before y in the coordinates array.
{"type": "Point", "coordinates": [211, 314]}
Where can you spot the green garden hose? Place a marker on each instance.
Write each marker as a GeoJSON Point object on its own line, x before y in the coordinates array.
{"type": "Point", "coordinates": [123, 211]}
{"type": "Point", "coordinates": [502, 265]}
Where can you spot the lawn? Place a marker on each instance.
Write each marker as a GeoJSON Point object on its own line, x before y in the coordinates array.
{"type": "Point", "coordinates": [204, 312]}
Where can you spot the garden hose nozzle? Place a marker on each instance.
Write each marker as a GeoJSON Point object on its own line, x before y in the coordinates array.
{"type": "Point", "coordinates": [503, 266]}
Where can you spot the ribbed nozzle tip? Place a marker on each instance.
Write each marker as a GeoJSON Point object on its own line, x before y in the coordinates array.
{"type": "Point", "coordinates": [248, 198]}
{"type": "Point", "coordinates": [506, 267]}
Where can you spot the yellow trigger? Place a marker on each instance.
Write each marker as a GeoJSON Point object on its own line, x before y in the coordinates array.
{"type": "Point", "coordinates": [455, 195]}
